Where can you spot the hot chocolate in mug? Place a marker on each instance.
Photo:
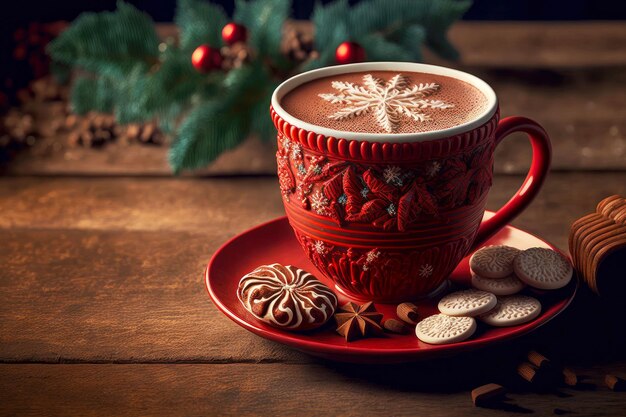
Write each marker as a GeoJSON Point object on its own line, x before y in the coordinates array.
{"type": "Point", "coordinates": [384, 170]}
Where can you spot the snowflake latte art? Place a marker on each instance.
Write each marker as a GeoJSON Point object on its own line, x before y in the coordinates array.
{"type": "Point", "coordinates": [385, 102]}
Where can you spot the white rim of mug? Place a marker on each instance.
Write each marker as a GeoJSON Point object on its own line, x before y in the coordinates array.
{"type": "Point", "coordinates": [295, 81]}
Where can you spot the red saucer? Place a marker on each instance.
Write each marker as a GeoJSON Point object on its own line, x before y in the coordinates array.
{"type": "Point", "coordinates": [275, 242]}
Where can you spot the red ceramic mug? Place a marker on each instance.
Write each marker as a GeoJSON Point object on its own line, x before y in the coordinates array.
{"type": "Point", "coordinates": [406, 237]}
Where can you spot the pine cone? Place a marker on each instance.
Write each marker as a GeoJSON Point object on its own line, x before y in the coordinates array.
{"type": "Point", "coordinates": [17, 131]}
{"type": "Point", "coordinates": [47, 89]}
{"type": "Point", "coordinates": [297, 45]}
{"type": "Point", "coordinates": [20, 125]}
{"type": "Point", "coordinates": [235, 55]}
{"type": "Point", "coordinates": [94, 130]}
{"type": "Point", "coordinates": [147, 133]}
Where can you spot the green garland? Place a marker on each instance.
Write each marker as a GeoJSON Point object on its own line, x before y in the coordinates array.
{"type": "Point", "coordinates": [123, 67]}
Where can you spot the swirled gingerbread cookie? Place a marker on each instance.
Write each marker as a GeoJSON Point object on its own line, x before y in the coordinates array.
{"type": "Point", "coordinates": [286, 297]}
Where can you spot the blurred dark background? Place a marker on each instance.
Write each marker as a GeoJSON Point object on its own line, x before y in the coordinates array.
{"type": "Point", "coordinates": [163, 10]}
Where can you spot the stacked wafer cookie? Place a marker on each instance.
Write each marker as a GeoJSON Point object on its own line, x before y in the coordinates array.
{"type": "Point", "coordinates": [597, 243]}
{"type": "Point", "coordinates": [498, 274]}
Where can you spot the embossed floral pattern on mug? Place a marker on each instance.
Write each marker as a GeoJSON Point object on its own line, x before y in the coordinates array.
{"type": "Point", "coordinates": [389, 197]}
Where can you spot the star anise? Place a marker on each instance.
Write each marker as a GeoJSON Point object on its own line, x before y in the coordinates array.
{"type": "Point", "coordinates": [357, 321]}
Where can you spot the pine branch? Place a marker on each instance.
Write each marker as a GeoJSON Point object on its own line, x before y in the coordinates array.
{"type": "Point", "coordinates": [108, 43]}
{"type": "Point", "coordinates": [61, 72]}
{"type": "Point", "coordinates": [261, 122]}
{"type": "Point", "coordinates": [264, 20]}
{"type": "Point", "coordinates": [224, 121]}
{"type": "Point", "coordinates": [388, 30]}
{"type": "Point", "coordinates": [328, 20]}
{"type": "Point", "coordinates": [131, 102]}
{"type": "Point", "coordinates": [327, 54]}
{"type": "Point", "coordinates": [379, 16]}
{"type": "Point", "coordinates": [199, 22]}
{"type": "Point", "coordinates": [175, 82]}
{"type": "Point", "coordinates": [92, 94]}
{"type": "Point", "coordinates": [210, 129]}
{"type": "Point", "coordinates": [240, 84]}
{"type": "Point", "coordinates": [411, 38]}
{"type": "Point", "coordinates": [169, 119]}
{"type": "Point", "coordinates": [163, 92]}
{"type": "Point", "coordinates": [442, 15]}
{"type": "Point", "coordinates": [131, 77]}
{"type": "Point", "coordinates": [377, 48]}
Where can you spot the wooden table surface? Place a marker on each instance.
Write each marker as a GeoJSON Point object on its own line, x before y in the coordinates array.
{"type": "Point", "coordinates": [103, 310]}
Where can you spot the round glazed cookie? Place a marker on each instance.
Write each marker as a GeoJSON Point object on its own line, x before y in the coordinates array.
{"type": "Point", "coordinates": [440, 329]}
{"type": "Point", "coordinates": [499, 286]}
{"type": "Point", "coordinates": [494, 261]}
{"type": "Point", "coordinates": [512, 310]}
{"type": "Point", "coordinates": [286, 297]}
{"type": "Point", "coordinates": [467, 303]}
{"type": "Point", "coordinates": [543, 268]}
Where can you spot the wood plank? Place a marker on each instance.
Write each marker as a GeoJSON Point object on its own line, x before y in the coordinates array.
{"type": "Point", "coordinates": [213, 206]}
{"type": "Point", "coordinates": [541, 44]}
{"type": "Point", "coordinates": [582, 111]}
{"type": "Point", "coordinates": [273, 389]}
{"type": "Point", "coordinates": [234, 205]}
{"type": "Point", "coordinates": [102, 270]}
{"type": "Point", "coordinates": [97, 296]}
{"type": "Point", "coordinates": [121, 295]}
{"type": "Point", "coordinates": [252, 157]}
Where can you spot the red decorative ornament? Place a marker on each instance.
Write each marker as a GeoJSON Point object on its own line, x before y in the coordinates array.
{"type": "Point", "coordinates": [349, 53]}
{"type": "Point", "coordinates": [233, 33]}
{"type": "Point", "coordinates": [205, 59]}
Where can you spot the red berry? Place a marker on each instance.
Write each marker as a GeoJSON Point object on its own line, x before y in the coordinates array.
{"type": "Point", "coordinates": [233, 33]}
{"type": "Point", "coordinates": [349, 52]}
{"type": "Point", "coordinates": [205, 59]}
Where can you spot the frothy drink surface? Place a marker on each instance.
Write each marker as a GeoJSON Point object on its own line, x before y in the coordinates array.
{"type": "Point", "coordinates": [385, 102]}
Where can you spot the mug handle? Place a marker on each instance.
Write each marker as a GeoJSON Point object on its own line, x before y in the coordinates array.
{"type": "Point", "coordinates": [539, 167]}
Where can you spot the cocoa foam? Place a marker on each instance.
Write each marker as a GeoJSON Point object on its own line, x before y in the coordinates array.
{"type": "Point", "coordinates": [351, 102]}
